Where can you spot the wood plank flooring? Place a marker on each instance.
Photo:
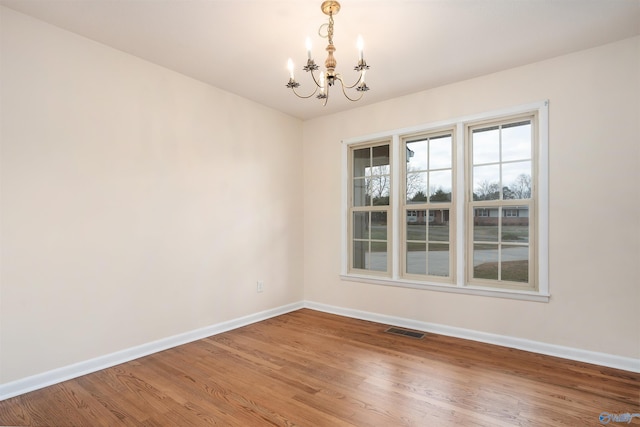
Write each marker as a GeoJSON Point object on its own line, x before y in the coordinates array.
{"type": "Point", "coordinates": [309, 368]}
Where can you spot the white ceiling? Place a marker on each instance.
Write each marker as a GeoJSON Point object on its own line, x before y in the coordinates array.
{"type": "Point", "coordinates": [242, 45]}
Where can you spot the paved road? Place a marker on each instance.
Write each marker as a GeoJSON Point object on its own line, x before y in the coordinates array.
{"type": "Point", "coordinates": [439, 260]}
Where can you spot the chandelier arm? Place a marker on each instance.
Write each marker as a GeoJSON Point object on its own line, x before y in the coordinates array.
{"type": "Point", "coordinates": [344, 92]}
{"type": "Point", "coordinates": [339, 77]}
{"type": "Point", "coordinates": [303, 96]}
{"type": "Point", "coordinates": [315, 80]}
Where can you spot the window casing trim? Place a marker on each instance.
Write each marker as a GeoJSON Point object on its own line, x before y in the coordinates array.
{"type": "Point", "coordinates": [460, 125]}
{"type": "Point", "coordinates": [440, 287]}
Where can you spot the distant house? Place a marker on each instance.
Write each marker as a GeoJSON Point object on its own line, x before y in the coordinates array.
{"type": "Point", "coordinates": [434, 217]}
{"type": "Point", "coordinates": [517, 215]}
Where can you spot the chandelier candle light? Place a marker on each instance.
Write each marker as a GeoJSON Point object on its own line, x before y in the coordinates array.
{"type": "Point", "coordinates": [327, 78]}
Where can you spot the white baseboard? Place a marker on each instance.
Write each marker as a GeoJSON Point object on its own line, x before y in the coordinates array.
{"type": "Point", "coordinates": [602, 359]}
{"type": "Point", "coordinates": [65, 373]}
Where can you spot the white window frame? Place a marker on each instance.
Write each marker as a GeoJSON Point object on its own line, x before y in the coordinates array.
{"type": "Point", "coordinates": [370, 208]}
{"type": "Point", "coordinates": [460, 285]}
{"type": "Point", "coordinates": [427, 206]}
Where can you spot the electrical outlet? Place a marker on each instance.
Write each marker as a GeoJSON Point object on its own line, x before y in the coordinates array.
{"type": "Point", "coordinates": [260, 286]}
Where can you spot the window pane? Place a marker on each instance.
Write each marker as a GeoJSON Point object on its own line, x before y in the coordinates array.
{"type": "Point", "coordinates": [378, 256]}
{"type": "Point", "coordinates": [417, 155]}
{"type": "Point", "coordinates": [485, 228]}
{"type": "Point", "coordinates": [361, 225]}
{"type": "Point", "coordinates": [417, 187]}
{"type": "Point", "coordinates": [438, 259]}
{"type": "Point", "coordinates": [361, 192]}
{"type": "Point", "coordinates": [361, 161]}
{"type": "Point", "coordinates": [440, 186]}
{"type": "Point", "coordinates": [516, 178]}
{"type": "Point", "coordinates": [486, 182]}
{"type": "Point", "coordinates": [515, 224]}
{"type": "Point", "coordinates": [416, 225]}
{"type": "Point", "coordinates": [485, 262]}
{"type": "Point", "coordinates": [379, 225]}
{"type": "Point", "coordinates": [440, 152]}
{"type": "Point", "coordinates": [516, 141]}
{"type": "Point", "coordinates": [380, 188]}
{"type": "Point", "coordinates": [380, 170]}
{"type": "Point", "coordinates": [416, 258]}
{"type": "Point", "coordinates": [439, 225]}
{"type": "Point", "coordinates": [515, 263]}
{"type": "Point", "coordinates": [360, 254]}
{"type": "Point", "coordinates": [376, 259]}
{"type": "Point", "coordinates": [486, 145]}
{"type": "Point", "coordinates": [381, 160]}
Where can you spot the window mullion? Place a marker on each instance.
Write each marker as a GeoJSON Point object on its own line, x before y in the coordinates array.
{"type": "Point", "coordinates": [396, 208]}
{"type": "Point", "coordinates": [460, 194]}
{"type": "Point", "coordinates": [500, 221]}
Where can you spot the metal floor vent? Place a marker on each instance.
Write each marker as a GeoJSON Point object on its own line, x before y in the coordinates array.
{"type": "Point", "coordinates": [405, 333]}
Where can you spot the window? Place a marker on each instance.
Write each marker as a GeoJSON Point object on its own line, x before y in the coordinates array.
{"type": "Point", "coordinates": [428, 189]}
{"type": "Point", "coordinates": [501, 155]}
{"type": "Point", "coordinates": [369, 210]}
{"type": "Point", "coordinates": [460, 206]}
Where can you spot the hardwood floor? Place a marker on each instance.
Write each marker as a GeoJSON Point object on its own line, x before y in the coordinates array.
{"type": "Point", "coordinates": [309, 368]}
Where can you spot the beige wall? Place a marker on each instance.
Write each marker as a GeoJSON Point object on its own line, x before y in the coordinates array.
{"type": "Point", "coordinates": [136, 203]}
{"type": "Point", "coordinates": [594, 142]}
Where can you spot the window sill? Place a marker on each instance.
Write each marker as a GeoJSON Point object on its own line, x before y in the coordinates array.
{"type": "Point", "coordinates": [439, 287]}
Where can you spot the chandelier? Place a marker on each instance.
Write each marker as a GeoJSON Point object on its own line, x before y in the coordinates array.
{"type": "Point", "coordinates": [326, 79]}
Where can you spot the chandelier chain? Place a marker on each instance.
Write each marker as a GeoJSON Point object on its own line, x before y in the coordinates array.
{"type": "Point", "coordinates": [330, 29]}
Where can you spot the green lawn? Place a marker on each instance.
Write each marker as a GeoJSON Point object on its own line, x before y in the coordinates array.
{"type": "Point", "coordinates": [513, 271]}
